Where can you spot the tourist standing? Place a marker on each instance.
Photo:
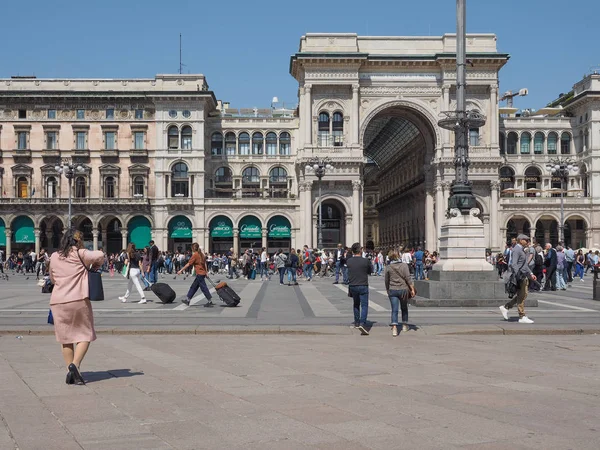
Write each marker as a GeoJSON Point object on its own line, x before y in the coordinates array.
{"type": "Point", "coordinates": [570, 261]}
{"type": "Point", "coordinates": [134, 271]}
{"type": "Point", "coordinates": [292, 267]}
{"type": "Point", "coordinates": [418, 256]}
{"type": "Point", "coordinates": [70, 303]}
{"type": "Point", "coordinates": [550, 262]}
{"type": "Point", "coordinates": [399, 289]}
{"type": "Point", "coordinates": [264, 267]}
{"type": "Point", "coordinates": [280, 261]}
{"type": "Point", "coordinates": [198, 262]}
{"type": "Point", "coordinates": [579, 263]}
{"type": "Point", "coordinates": [359, 269]}
{"type": "Point", "coordinates": [339, 259]}
{"type": "Point", "coordinates": [522, 274]}
{"type": "Point", "coordinates": [154, 254]}
{"type": "Point", "coordinates": [560, 268]}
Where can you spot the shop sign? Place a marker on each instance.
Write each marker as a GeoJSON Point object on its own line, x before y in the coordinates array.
{"type": "Point", "coordinates": [250, 231]}
{"type": "Point", "coordinates": [222, 229]}
{"type": "Point", "coordinates": [181, 228]}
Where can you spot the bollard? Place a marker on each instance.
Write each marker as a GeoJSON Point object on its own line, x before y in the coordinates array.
{"type": "Point", "coordinates": [596, 294]}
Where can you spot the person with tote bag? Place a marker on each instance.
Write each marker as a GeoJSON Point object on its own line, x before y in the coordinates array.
{"type": "Point", "coordinates": [70, 300]}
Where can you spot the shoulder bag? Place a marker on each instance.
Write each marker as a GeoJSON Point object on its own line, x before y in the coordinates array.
{"type": "Point", "coordinates": [96, 290]}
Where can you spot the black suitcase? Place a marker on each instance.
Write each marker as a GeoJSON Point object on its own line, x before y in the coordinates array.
{"type": "Point", "coordinates": [164, 292]}
{"type": "Point", "coordinates": [226, 294]}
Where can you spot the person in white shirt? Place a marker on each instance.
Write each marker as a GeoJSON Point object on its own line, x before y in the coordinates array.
{"type": "Point", "coordinates": [264, 269]}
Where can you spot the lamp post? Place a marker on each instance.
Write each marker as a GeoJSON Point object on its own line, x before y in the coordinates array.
{"type": "Point", "coordinates": [69, 169]}
{"type": "Point", "coordinates": [318, 167]}
{"type": "Point", "coordinates": [562, 168]}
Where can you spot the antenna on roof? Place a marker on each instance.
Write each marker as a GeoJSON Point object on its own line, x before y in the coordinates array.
{"type": "Point", "coordinates": [181, 64]}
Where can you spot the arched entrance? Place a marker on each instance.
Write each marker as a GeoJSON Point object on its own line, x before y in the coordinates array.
{"type": "Point", "coordinates": [515, 226]}
{"type": "Point", "coordinates": [221, 234]}
{"type": "Point", "coordinates": [84, 224]}
{"type": "Point", "coordinates": [576, 232]}
{"type": "Point", "coordinates": [279, 234]}
{"type": "Point", "coordinates": [180, 234]}
{"type": "Point", "coordinates": [51, 231]}
{"type": "Point", "coordinates": [399, 144]}
{"type": "Point", "coordinates": [546, 230]}
{"type": "Point", "coordinates": [139, 231]}
{"type": "Point", "coordinates": [23, 236]}
{"type": "Point", "coordinates": [110, 233]}
{"type": "Point", "coordinates": [334, 224]}
{"type": "Point", "coordinates": [3, 234]}
{"type": "Point", "coordinates": [250, 233]}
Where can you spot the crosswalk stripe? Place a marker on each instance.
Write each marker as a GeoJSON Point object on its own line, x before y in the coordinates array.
{"type": "Point", "coordinates": [248, 294]}
{"type": "Point", "coordinates": [372, 304]}
{"type": "Point", "coordinates": [317, 301]}
{"type": "Point", "coordinates": [197, 299]}
{"type": "Point", "coordinates": [578, 308]}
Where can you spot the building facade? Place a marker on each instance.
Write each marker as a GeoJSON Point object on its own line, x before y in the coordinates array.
{"type": "Point", "coordinates": [162, 159]}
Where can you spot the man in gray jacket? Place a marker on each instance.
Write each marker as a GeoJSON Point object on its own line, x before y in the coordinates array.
{"type": "Point", "coordinates": [520, 268]}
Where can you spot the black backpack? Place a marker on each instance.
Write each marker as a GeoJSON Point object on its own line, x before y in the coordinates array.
{"type": "Point", "coordinates": [539, 261]}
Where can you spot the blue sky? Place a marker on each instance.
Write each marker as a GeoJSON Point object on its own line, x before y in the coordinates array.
{"type": "Point", "coordinates": [244, 47]}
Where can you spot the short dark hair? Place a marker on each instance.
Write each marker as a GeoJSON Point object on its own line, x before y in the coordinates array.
{"type": "Point", "coordinates": [355, 248]}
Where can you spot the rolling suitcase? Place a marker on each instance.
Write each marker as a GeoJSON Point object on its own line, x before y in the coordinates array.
{"type": "Point", "coordinates": [164, 292]}
{"type": "Point", "coordinates": [225, 293]}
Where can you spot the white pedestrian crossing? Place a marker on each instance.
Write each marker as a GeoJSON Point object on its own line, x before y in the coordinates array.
{"type": "Point", "coordinates": [318, 303]}
{"type": "Point", "coordinates": [372, 305]}
{"type": "Point", "coordinates": [248, 294]}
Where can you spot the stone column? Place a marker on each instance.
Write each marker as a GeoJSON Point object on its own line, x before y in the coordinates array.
{"type": "Point", "coordinates": [429, 221]}
{"type": "Point", "coordinates": [36, 233]}
{"type": "Point", "coordinates": [207, 239]}
{"type": "Point", "coordinates": [95, 239]}
{"type": "Point", "coordinates": [306, 188]}
{"type": "Point", "coordinates": [8, 234]}
{"type": "Point", "coordinates": [264, 237]}
{"type": "Point", "coordinates": [356, 213]}
{"type": "Point", "coordinates": [124, 239]}
{"type": "Point", "coordinates": [439, 213]}
{"type": "Point", "coordinates": [105, 240]}
{"type": "Point", "coordinates": [532, 234]}
{"type": "Point", "coordinates": [494, 225]}
{"type": "Point", "coordinates": [355, 113]}
{"type": "Point", "coordinates": [494, 130]}
{"type": "Point", "coordinates": [503, 237]}
{"type": "Point", "coordinates": [236, 241]}
{"type": "Point", "coordinates": [307, 114]}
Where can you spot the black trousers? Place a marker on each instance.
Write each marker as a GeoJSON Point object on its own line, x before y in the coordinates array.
{"type": "Point", "coordinates": [550, 279]}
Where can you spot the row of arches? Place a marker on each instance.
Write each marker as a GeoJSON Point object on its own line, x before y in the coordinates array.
{"type": "Point", "coordinates": [534, 182]}
{"type": "Point", "coordinates": [242, 144]}
{"type": "Point", "coordinates": [539, 143]}
{"type": "Point", "coordinates": [545, 229]}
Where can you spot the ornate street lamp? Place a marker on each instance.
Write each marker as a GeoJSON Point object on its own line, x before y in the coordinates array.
{"type": "Point", "coordinates": [318, 167]}
{"type": "Point", "coordinates": [562, 168]}
{"type": "Point", "coordinates": [69, 169]}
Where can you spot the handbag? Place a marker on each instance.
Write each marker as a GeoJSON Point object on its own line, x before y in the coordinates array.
{"type": "Point", "coordinates": [96, 290]}
{"type": "Point", "coordinates": [50, 317]}
{"type": "Point", "coordinates": [125, 270]}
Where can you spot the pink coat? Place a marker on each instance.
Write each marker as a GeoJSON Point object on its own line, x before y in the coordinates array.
{"type": "Point", "coordinates": [70, 277]}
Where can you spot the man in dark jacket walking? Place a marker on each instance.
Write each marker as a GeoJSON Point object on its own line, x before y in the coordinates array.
{"type": "Point", "coordinates": [359, 269]}
{"type": "Point", "coordinates": [551, 263]}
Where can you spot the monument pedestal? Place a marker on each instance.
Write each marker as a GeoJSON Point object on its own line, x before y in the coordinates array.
{"type": "Point", "coordinates": [463, 277]}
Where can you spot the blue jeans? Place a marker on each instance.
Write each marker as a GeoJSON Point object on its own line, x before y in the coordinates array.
{"type": "Point", "coordinates": [360, 295]}
{"type": "Point", "coordinates": [419, 270]}
{"type": "Point", "coordinates": [264, 269]}
{"type": "Point", "coordinates": [153, 272]}
{"type": "Point", "coordinates": [199, 282]}
{"type": "Point", "coordinates": [281, 274]}
{"type": "Point", "coordinates": [337, 271]}
{"type": "Point", "coordinates": [291, 274]}
{"type": "Point", "coordinates": [345, 274]}
{"type": "Point", "coordinates": [399, 298]}
{"type": "Point", "coordinates": [379, 269]}
{"type": "Point", "coordinates": [308, 271]}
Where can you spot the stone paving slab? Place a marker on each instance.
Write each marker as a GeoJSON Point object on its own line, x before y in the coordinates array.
{"type": "Point", "coordinates": [321, 391]}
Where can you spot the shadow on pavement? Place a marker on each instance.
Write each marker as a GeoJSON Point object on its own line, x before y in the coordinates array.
{"type": "Point", "coordinates": [91, 377]}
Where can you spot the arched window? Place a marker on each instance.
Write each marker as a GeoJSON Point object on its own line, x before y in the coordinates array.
{"type": "Point", "coordinates": [244, 144]}
{"type": "Point", "coordinates": [337, 128]}
{"type": "Point", "coordinates": [186, 138]}
{"type": "Point", "coordinates": [271, 144]}
{"type": "Point", "coordinates": [80, 187]}
{"type": "Point", "coordinates": [173, 138]}
{"type": "Point", "coordinates": [552, 143]}
{"type": "Point", "coordinates": [216, 144]}
{"type": "Point", "coordinates": [511, 143]}
{"type": "Point", "coordinates": [565, 144]}
{"type": "Point", "coordinates": [250, 182]}
{"type": "Point", "coordinates": [278, 182]}
{"type": "Point", "coordinates": [257, 143]}
{"type": "Point", "coordinates": [586, 140]}
{"type": "Point", "coordinates": [51, 187]}
{"type": "Point", "coordinates": [230, 144]}
{"type": "Point", "coordinates": [502, 139]}
{"type": "Point", "coordinates": [223, 175]}
{"type": "Point", "coordinates": [180, 181]}
{"type": "Point", "coordinates": [285, 143]}
{"type": "Point", "coordinates": [138, 186]}
{"type": "Point", "coordinates": [473, 136]}
{"type": "Point", "coordinates": [22, 187]}
{"type": "Point", "coordinates": [507, 182]}
{"type": "Point", "coordinates": [323, 129]}
{"type": "Point", "coordinates": [109, 187]}
{"type": "Point", "coordinates": [223, 187]}
{"type": "Point", "coordinates": [525, 143]}
{"type": "Point", "coordinates": [533, 182]}
{"type": "Point", "coordinates": [538, 143]}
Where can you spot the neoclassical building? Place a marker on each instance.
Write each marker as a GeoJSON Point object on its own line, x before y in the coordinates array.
{"type": "Point", "coordinates": [163, 159]}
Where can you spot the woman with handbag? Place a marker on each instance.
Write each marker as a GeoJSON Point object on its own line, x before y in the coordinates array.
{"type": "Point", "coordinates": [133, 262]}
{"type": "Point", "coordinates": [70, 300]}
{"type": "Point", "coordinates": [399, 289]}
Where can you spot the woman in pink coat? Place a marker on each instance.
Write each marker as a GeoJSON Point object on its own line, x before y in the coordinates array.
{"type": "Point", "coordinates": [70, 305]}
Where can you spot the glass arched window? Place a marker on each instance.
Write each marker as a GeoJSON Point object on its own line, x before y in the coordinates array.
{"type": "Point", "coordinates": [502, 139]}
{"type": "Point", "coordinates": [278, 175]}
{"type": "Point", "coordinates": [565, 144]}
{"type": "Point", "coordinates": [223, 187]}
{"type": "Point", "coordinates": [223, 175]}
{"type": "Point", "coordinates": [173, 134]}
{"type": "Point", "coordinates": [323, 129]}
{"type": "Point", "coordinates": [511, 143]}
{"type": "Point", "coordinates": [244, 144]}
{"type": "Point", "coordinates": [230, 144]}
{"type": "Point", "coordinates": [109, 187]}
{"type": "Point", "coordinates": [285, 143]}
{"type": "Point", "coordinates": [271, 144]}
{"type": "Point", "coordinates": [525, 143]}
{"type": "Point", "coordinates": [138, 186]}
{"type": "Point", "coordinates": [533, 182]}
{"type": "Point", "coordinates": [216, 144]}
{"type": "Point", "coordinates": [22, 187]}
{"type": "Point", "coordinates": [473, 136]}
{"type": "Point", "coordinates": [51, 187]}
{"type": "Point", "coordinates": [538, 143]}
{"type": "Point", "coordinates": [552, 143]}
{"type": "Point", "coordinates": [507, 182]}
{"type": "Point", "coordinates": [180, 181]}
{"type": "Point", "coordinates": [250, 182]}
{"type": "Point", "coordinates": [257, 143]}
{"type": "Point", "coordinates": [186, 138]}
{"type": "Point", "coordinates": [80, 187]}
{"type": "Point", "coordinates": [337, 129]}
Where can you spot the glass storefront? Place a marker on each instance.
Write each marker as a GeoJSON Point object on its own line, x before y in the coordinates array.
{"type": "Point", "coordinates": [221, 234]}
{"type": "Point", "coordinates": [279, 234]}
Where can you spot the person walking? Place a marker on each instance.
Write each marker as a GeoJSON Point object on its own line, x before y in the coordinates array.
{"type": "Point", "coordinates": [339, 263]}
{"type": "Point", "coordinates": [550, 262]}
{"type": "Point", "coordinates": [561, 265]}
{"type": "Point", "coordinates": [153, 269]}
{"type": "Point", "coordinates": [198, 262]}
{"type": "Point", "coordinates": [570, 262]}
{"type": "Point", "coordinates": [399, 289]}
{"type": "Point", "coordinates": [264, 266]}
{"type": "Point", "coordinates": [359, 269]}
{"type": "Point", "coordinates": [280, 261]}
{"type": "Point", "coordinates": [579, 263]}
{"type": "Point", "coordinates": [309, 260]}
{"type": "Point", "coordinates": [133, 259]}
{"type": "Point", "coordinates": [70, 303]}
{"type": "Point", "coordinates": [523, 274]}
{"type": "Point", "coordinates": [538, 268]}
{"type": "Point", "coordinates": [292, 267]}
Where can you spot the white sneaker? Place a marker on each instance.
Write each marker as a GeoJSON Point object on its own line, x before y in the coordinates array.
{"type": "Point", "coordinates": [123, 299]}
{"type": "Point", "coordinates": [504, 312]}
{"type": "Point", "coordinates": [142, 301]}
{"type": "Point", "coordinates": [581, 279]}
{"type": "Point", "coordinates": [405, 328]}
{"type": "Point", "coordinates": [525, 319]}
{"type": "Point", "coordinates": [394, 330]}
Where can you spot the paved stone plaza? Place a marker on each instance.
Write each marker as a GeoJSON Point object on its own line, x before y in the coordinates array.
{"type": "Point", "coordinates": [339, 391]}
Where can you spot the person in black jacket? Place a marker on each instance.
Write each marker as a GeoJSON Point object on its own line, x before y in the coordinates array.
{"type": "Point", "coordinates": [550, 262]}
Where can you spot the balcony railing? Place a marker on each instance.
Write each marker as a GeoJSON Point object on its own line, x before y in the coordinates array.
{"type": "Point", "coordinates": [330, 141]}
{"type": "Point", "coordinates": [75, 200]}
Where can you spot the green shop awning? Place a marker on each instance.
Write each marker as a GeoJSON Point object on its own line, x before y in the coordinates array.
{"type": "Point", "coordinates": [22, 228]}
{"type": "Point", "coordinates": [2, 235]}
{"type": "Point", "coordinates": [250, 228]}
{"type": "Point", "coordinates": [279, 227]}
{"type": "Point", "coordinates": [221, 227]}
{"type": "Point", "coordinates": [180, 227]}
{"type": "Point", "coordinates": [139, 231]}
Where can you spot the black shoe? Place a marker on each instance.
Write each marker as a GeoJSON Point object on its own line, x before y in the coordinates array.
{"type": "Point", "coordinates": [77, 378]}
{"type": "Point", "coordinates": [363, 330]}
{"type": "Point", "coordinates": [69, 379]}
{"type": "Point", "coordinates": [209, 304]}
{"type": "Point", "coordinates": [336, 282]}
{"type": "Point", "coordinates": [186, 301]}
{"type": "Point", "coordinates": [147, 288]}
